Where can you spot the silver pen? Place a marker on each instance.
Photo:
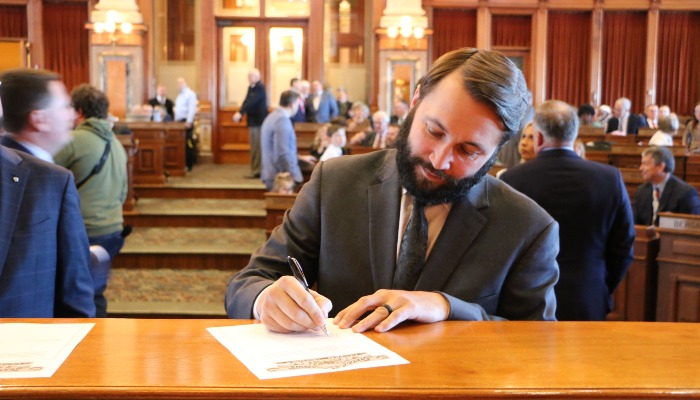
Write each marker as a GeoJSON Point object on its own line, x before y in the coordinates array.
{"type": "Point", "coordinates": [299, 274]}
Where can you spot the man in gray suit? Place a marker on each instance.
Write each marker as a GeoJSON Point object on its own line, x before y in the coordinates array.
{"type": "Point", "coordinates": [485, 252]}
{"type": "Point", "coordinates": [279, 142]}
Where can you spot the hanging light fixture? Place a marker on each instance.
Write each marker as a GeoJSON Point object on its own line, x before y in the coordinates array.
{"type": "Point", "coordinates": [112, 16]}
{"type": "Point", "coordinates": [405, 18]}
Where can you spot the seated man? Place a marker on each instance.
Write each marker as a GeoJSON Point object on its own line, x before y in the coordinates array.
{"type": "Point", "coordinates": [623, 121]}
{"type": "Point", "coordinates": [420, 232]}
{"type": "Point", "coordinates": [662, 191]}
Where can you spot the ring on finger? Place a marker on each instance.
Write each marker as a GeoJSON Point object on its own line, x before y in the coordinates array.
{"type": "Point", "coordinates": [388, 308]}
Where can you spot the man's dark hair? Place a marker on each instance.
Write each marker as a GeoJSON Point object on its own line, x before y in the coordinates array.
{"type": "Point", "coordinates": [660, 155]}
{"type": "Point", "coordinates": [293, 81]}
{"type": "Point", "coordinates": [586, 109]}
{"type": "Point", "coordinates": [288, 97]}
{"type": "Point", "coordinates": [90, 101]}
{"type": "Point", "coordinates": [556, 120]}
{"type": "Point", "coordinates": [490, 78]}
{"type": "Point", "coordinates": [22, 91]}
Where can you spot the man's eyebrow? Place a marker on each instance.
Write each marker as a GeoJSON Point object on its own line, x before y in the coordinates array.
{"type": "Point", "coordinates": [436, 122]}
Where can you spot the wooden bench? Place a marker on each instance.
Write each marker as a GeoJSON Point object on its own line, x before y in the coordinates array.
{"type": "Point", "coordinates": [276, 204]}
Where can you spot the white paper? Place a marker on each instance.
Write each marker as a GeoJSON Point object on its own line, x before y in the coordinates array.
{"type": "Point", "coordinates": [37, 350]}
{"type": "Point", "coordinates": [276, 355]}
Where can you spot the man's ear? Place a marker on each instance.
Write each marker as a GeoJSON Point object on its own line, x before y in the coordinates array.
{"type": "Point", "coordinates": [37, 121]}
{"type": "Point", "coordinates": [416, 97]}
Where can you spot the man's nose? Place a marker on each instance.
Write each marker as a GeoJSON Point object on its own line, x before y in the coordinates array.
{"type": "Point", "coordinates": [441, 157]}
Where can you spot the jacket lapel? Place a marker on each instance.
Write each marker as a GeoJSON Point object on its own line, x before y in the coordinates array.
{"type": "Point", "coordinates": [383, 205]}
{"type": "Point", "coordinates": [666, 194]}
{"type": "Point", "coordinates": [13, 179]}
{"type": "Point", "coordinates": [462, 226]}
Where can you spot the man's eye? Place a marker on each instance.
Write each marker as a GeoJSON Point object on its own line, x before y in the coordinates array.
{"type": "Point", "coordinates": [432, 131]}
{"type": "Point", "coordinates": [470, 154]}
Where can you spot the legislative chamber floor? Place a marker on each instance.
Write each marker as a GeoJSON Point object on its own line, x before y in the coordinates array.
{"type": "Point", "coordinates": [189, 237]}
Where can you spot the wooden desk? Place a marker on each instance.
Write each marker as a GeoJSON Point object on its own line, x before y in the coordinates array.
{"type": "Point", "coordinates": [165, 359]}
{"type": "Point", "coordinates": [679, 268]}
{"type": "Point", "coordinates": [161, 149]}
{"type": "Point", "coordinates": [635, 296]}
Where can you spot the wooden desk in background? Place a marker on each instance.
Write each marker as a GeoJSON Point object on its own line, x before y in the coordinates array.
{"type": "Point", "coordinates": [679, 269]}
{"type": "Point", "coordinates": [164, 359]}
{"type": "Point", "coordinates": [161, 149]}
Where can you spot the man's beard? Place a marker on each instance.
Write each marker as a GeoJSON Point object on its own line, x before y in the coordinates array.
{"type": "Point", "coordinates": [450, 191]}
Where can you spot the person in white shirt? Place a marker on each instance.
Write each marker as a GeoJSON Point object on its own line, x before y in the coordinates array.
{"type": "Point", "coordinates": [185, 110]}
{"type": "Point", "coordinates": [338, 139]}
{"type": "Point", "coordinates": [668, 126]}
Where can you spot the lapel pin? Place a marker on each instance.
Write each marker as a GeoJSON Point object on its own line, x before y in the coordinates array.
{"type": "Point", "coordinates": [15, 179]}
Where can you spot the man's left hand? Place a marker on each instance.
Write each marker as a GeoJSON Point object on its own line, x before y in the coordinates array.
{"type": "Point", "coordinates": [426, 307]}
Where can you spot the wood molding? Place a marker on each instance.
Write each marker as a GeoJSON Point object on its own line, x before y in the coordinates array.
{"type": "Point", "coordinates": [314, 53]}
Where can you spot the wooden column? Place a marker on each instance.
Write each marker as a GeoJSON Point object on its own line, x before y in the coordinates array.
{"type": "Point", "coordinates": [538, 55]}
{"type": "Point", "coordinates": [35, 32]}
{"type": "Point", "coordinates": [652, 48]}
{"type": "Point", "coordinates": [483, 26]}
{"type": "Point", "coordinates": [596, 54]}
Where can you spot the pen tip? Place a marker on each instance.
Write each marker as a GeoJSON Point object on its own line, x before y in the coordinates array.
{"type": "Point", "coordinates": [325, 330]}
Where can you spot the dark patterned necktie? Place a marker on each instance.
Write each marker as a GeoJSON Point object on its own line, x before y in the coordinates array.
{"type": "Point", "coordinates": [414, 245]}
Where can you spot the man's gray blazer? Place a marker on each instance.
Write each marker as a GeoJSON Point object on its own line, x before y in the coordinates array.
{"type": "Point", "coordinates": [495, 257]}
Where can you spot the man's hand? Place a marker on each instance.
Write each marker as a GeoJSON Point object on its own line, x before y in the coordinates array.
{"type": "Point", "coordinates": [237, 117]}
{"type": "Point", "coordinates": [286, 307]}
{"type": "Point", "coordinates": [309, 159]}
{"type": "Point", "coordinates": [424, 307]}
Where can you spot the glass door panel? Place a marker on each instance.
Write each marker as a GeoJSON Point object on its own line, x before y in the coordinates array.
{"type": "Point", "coordinates": [238, 58]}
{"type": "Point", "coordinates": [285, 59]}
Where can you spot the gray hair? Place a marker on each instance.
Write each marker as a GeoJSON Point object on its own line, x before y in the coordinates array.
{"type": "Point", "coordinates": [669, 124]}
{"type": "Point", "coordinates": [661, 154]}
{"type": "Point", "coordinates": [557, 120]}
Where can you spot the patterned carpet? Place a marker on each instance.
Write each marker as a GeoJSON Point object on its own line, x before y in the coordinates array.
{"type": "Point", "coordinates": [193, 240]}
{"type": "Point", "coordinates": [167, 291]}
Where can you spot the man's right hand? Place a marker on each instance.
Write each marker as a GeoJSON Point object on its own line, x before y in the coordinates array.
{"type": "Point", "coordinates": [286, 307]}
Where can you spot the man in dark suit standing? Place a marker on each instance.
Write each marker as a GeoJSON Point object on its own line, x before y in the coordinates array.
{"type": "Point", "coordinates": [662, 191]}
{"type": "Point", "coordinates": [623, 121]}
{"type": "Point", "coordinates": [255, 107]}
{"type": "Point", "coordinates": [165, 104]}
{"type": "Point", "coordinates": [43, 243]}
{"type": "Point", "coordinates": [590, 202]}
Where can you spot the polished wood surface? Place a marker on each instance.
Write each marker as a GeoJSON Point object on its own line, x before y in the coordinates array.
{"type": "Point", "coordinates": [149, 359]}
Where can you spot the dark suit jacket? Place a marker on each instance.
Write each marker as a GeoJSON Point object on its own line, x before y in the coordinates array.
{"type": "Point", "coordinates": [327, 108]}
{"type": "Point", "coordinates": [634, 122]}
{"type": "Point", "coordinates": [677, 197]}
{"type": "Point", "coordinates": [255, 105]}
{"type": "Point", "coordinates": [494, 258]}
{"type": "Point", "coordinates": [590, 202]}
{"type": "Point", "coordinates": [168, 107]}
{"type": "Point", "coordinates": [44, 249]}
{"type": "Point", "coordinates": [8, 141]}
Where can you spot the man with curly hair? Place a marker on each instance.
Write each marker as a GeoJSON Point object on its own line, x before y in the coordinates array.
{"type": "Point", "coordinates": [98, 162]}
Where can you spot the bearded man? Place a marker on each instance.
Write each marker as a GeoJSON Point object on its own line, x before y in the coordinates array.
{"type": "Point", "coordinates": [420, 232]}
